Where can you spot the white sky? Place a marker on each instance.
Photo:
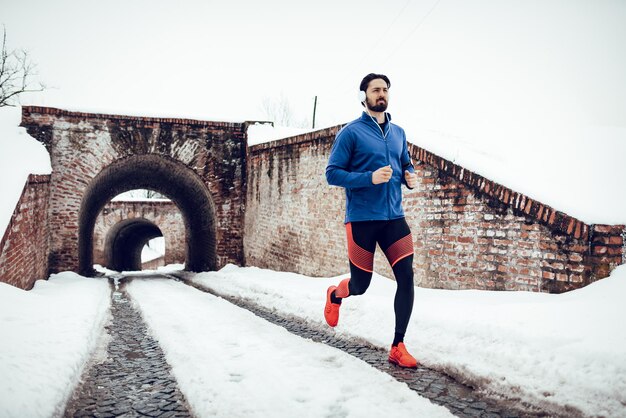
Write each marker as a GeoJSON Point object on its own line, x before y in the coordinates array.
{"type": "Point", "coordinates": [448, 60]}
{"type": "Point", "coordinates": [497, 86]}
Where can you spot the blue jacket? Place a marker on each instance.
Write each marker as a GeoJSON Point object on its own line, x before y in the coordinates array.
{"type": "Point", "coordinates": [361, 148]}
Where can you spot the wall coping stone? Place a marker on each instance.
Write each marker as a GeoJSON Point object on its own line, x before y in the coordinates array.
{"type": "Point", "coordinates": [29, 110]}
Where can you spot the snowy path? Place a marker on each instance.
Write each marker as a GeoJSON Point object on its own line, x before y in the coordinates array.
{"type": "Point", "coordinates": [49, 332]}
{"type": "Point", "coordinates": [132, 377]}
{"type": "Point", "coordinates": [129, 374]}
{"type": "Point", "coordinates": [229, 362]}
{"type": "Point", "coordinates": [565, 354]}
{"type": "Point", "coordinates": [460, 399]}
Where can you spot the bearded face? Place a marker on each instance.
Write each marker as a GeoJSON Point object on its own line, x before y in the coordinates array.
{"type": "Point", "coordinates": [380, 104]}
{"type": "Point", "coordinates": [377, 95]}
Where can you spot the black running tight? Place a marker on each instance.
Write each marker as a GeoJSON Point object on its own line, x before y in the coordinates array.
{"type": "Point", "coordinates": [394, 238]}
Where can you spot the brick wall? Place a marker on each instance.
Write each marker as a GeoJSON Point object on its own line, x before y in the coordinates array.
{"type": "Point", "coordinates": [24, 246]}
{"type": "Point", "coordinates": [164, 214]}
{"type": "Point", "coordinates": [293, 221]}
{"type": "Point", "coordinates": [607, 249]}
{"type": "Point", "coordinates": [479, 234]}
{"type": "Point", "coordinates": [469, 232]}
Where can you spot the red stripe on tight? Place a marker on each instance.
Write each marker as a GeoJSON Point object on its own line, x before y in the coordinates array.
{"type": "Point", "coordinates": [400, 249]}
{"type": "Point", "coordinates": [359, 256]}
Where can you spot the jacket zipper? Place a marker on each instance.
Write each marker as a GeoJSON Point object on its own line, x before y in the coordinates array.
{"type": "Point", "coordinates": [387, 151]}
{"type": "Point", "coordinates": [387, 185]}
{"type": "Point", "coordinates": [388, 162]}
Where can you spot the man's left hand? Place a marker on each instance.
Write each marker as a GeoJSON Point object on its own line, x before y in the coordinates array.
{"type": "Point", "coordinates": [411, 179]}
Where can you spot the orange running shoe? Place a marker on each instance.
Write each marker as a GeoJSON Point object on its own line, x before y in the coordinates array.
{"type": "Point", "coordinates": [331, 310]}
{"type": "Point", "coordinates": [398, 355]}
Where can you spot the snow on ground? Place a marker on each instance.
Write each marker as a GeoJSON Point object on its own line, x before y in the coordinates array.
{"type": "Point", "coordinates": [47, 335]}
{"type": "Point", "coordinates": [170, 268]}
{"type": "Point", "coordinates": [229, 362]}
{"type": "Point", "coordinates": [566, 349]}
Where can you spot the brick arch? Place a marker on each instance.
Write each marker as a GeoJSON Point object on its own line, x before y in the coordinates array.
{"type": "Point", "coordinates": [164, 175]}
{"type": "Point", "coordinates": [164, 214]}
{"type": "Point", "coordinates": [125, 242]}
{"type": "Point", "coordinates": [82, 145]}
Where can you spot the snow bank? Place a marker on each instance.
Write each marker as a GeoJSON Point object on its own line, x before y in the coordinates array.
{"type": "Point", "coordinates": [20, 155]}
{"type": "Point", "coordinates": [579, 171]}
{"type": "Point", "coordinates": [48, 334]}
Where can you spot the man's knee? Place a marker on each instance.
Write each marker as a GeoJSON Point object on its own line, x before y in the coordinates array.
{"type": "Point", "coordinates": [403, 272]}
{"type": "Point", "coordinates": [359, 281]}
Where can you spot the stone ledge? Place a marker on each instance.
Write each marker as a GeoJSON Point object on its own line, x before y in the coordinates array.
{"type": "Point", "coordinates": [29, 110]}
{"type": "Point", "coordinates": [38, 178]}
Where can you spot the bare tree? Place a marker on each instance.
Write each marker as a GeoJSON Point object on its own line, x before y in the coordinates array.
{"type": "Point", "coordinates": [146, 193]}
{"type": "Point", "coordinates": [151, 194]}
{"type": "Point", "coordinates": [281, 113]}
{"type": "Point", "coordinates": [140, 194]}
{"type": "Point", "coordinates": [16, 71]}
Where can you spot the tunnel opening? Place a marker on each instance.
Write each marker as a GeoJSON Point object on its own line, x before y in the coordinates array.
{"type": "Point", "coordinates": [172, 179]}
{"type": "Point", "coordinates": [125, 243]}
{"type": "Point", "coordinates": [153, 254]}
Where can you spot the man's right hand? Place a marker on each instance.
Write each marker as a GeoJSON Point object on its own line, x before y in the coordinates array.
{"type": "Point", "coordinates": [382, 175]}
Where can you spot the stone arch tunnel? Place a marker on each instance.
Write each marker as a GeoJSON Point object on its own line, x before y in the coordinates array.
{"type": "Point", "coordinates": [199, 165]}
{"type": "Point", "coordinates": [124, 226]}
{"type": "Point", "coordinates": [167, 177]}
{"type": "Point", "coordinates": [125, 242]}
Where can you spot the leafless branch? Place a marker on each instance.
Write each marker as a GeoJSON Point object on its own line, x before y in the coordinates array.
{"type": "Point", "coordinates": [16, 73]}
{"type": "Point", "coordinates": [281, 113]}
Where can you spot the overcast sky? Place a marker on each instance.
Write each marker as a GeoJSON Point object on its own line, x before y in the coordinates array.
{"type": "Point", "coordinates": [519, 82]}
{"type": "Point", "coordinates": [450, 61]}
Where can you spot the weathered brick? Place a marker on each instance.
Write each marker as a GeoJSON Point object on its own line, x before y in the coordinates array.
{"type": "Point", "coordinates": [24, 246]}
{"type": "Point", "coordinates": [83, 145]}
{"type": "Point", "coordinates": [449, 214]}
{"type": "Point", "coordinates": [163, 214]}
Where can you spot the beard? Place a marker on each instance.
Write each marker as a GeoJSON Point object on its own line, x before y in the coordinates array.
{"type": "Point", "coordinates": [377, 107]}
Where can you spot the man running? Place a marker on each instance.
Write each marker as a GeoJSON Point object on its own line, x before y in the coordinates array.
{"type": "Point", "coordinates": [370, 160]}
